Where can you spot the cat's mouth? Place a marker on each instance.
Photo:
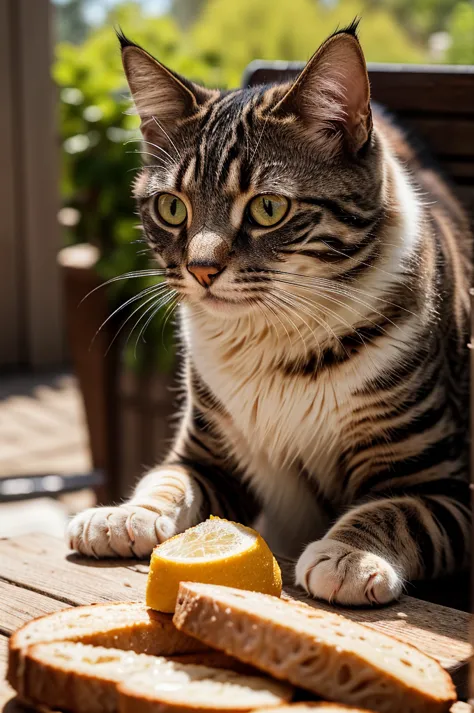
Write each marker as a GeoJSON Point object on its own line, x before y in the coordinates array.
{"type": "Point", "coordinates": [214, 303]}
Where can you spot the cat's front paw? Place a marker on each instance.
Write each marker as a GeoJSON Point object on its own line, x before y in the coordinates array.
{"type": "Point", "coordinates": [337, 572]}
{"type": "Point", "coordinates": [125, 531]}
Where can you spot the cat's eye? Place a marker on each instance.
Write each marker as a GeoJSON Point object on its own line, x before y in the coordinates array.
{"type": "Point", "coordinates": [170, 209]}
{"type": "Point", "coordinates": [268, 210]}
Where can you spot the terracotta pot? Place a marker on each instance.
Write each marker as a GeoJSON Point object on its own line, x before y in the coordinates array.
{"type": "Point", "coordinates": [85, 311]}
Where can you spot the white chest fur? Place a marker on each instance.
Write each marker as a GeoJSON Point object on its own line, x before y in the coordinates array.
{"type": "Point", "coordinates": [279, 422]}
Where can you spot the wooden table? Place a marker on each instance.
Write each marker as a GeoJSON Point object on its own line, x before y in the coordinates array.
{"type": "Point", "coordinates": [39, 575]}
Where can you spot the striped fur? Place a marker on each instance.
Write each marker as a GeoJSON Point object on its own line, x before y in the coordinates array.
{"type": "Point", "coordinates": [326, 365]}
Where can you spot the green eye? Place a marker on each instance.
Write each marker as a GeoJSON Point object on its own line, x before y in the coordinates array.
{"type": "Point", "coordinates": [269, 209]}
{"type": "Point", "coordinates": [171, 209]}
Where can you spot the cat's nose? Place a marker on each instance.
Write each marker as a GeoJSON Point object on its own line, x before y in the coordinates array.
{"type": "Point", "coordinates": [204, 273]}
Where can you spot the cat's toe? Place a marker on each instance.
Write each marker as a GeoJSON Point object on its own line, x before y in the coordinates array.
{"type": "Point", "coordinates": [337, 572]}
{"type": "Point", "coordinates": [125, 531]}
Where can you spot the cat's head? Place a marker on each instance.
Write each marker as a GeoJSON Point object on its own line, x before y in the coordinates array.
{"type": "Point", "coordinates": [246, 193]}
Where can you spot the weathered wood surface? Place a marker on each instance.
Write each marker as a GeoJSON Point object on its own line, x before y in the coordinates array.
{"type": "Point", "coordinates": [42, 428]}
{"type": "Point", "coordinates": [39, 575]}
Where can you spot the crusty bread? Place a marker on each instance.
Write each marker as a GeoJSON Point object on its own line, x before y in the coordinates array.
{"type": "Point", "coordinates": [323, 652]}
{"type": "Point", "coordinates": [316, 707]}
{"type": "Point", "coordinates": [123, 625]}
{"type": "Point", "coordinates": [216, 659]}
{"type": "Point", "coordinates": [89, 679]}
{"type": "Point", "coordinates": [76, 677]}
{"type": "Point", "coordinates": [201, 690]}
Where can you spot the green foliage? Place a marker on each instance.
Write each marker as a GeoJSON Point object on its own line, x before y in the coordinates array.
{"type": "Point", "coordinates": [70, 21]}
{"type": "Point", "coordinates": [420, 18]}
{"type": "Point", "coordinates": [98, 165]}
{"type": "Point", "coordinates": [461, 29]}
{"type": "Point", "coordinates": [232, 34]}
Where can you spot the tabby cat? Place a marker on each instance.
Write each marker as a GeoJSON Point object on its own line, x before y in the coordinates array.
{"type": "Point", "coordinates": [322, 270]}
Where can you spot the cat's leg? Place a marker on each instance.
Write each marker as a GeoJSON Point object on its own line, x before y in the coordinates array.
{"type": "Point", "coordinates": [193, 483]}
{"type": "Point", "coordinates": [166, 501]}
{"type": "Point", "coordinates": [370, 552]}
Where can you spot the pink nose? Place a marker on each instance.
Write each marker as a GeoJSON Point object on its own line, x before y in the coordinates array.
{"type": "Point", "coordinates": [204, 274]}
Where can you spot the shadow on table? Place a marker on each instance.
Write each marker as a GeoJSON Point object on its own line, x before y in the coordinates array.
{"type": "Point", "coordinates": [136, 565]}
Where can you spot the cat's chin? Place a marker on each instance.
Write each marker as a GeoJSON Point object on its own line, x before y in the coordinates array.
{"type": "Point", "coordinates": [220, 306]}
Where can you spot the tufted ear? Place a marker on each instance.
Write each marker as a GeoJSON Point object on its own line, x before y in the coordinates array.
{"type": "Point", "coordinates": [160, 95]}
{"type": "Point", "coordinates": [331, 96]}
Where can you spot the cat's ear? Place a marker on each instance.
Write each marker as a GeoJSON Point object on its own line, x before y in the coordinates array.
{"type": "Point", "coordinates": [161, 97]}
{"type": "Point", "coordinates": [331, 96]}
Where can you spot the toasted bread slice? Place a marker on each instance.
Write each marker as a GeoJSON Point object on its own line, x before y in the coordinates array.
{"type": "Point", "coordinates": [123, 625]}
{"type": "Point", "coordinates": [89, 679]}
{"type": "Point", "coordinates": [323, 652]}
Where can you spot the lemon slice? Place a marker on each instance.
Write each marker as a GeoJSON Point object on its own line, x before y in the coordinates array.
{"type": "Point", "coordinates": [214, 552]}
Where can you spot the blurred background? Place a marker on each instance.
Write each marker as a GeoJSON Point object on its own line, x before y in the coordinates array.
{"type": "Point", "coordinates": [87, 391]}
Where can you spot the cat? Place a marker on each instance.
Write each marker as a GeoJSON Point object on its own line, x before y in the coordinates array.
{"type": "Point", "coordinates": [323, 271]}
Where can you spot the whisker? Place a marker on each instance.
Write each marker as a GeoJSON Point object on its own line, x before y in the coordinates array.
{"type": "Point", "coordinates": [259, 140]}
{"type": "Point", "coordinates": [160, 126]}
{"type": "Point", "coordinates": [158, 158]}
{"type": "Point", "coordinates": [144, 141]}
{"type": "Point", "coordinates": [321, 323]}
{"type": "Point", "coordinates": [155, 308]}
{"type": "Point", "coordinates": [148, 165]}
{"type": "Point", "coordinates": [126, 276]}
{"type": "Point", "coordinates": [288, 303]}
{"type": "Point", "coordinates": [302, 301]}
{"type": "Point", "coordinates": [330, 284]}
{"type": "Point", "coordinates": [272, 297]}
{"type": "Point", "coordinates": [143, 293]}
{"type": "Point", "coordinates": [275, 314]}
{"type": "Point", "coordinates": [140, 306]}
{"type": "Point", "coordinates": [329, 296]}
{"type": "Point", "coordinates": [169, 313]}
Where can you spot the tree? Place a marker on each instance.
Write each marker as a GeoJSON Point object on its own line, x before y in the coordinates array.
{"type": "Point", "coordinates": [186, 12]}
{"type": "Point", "coordinates": [420, 17]}
{"type": "Point", "coordinates": [71, 22]}
{"type": "Point", "coordinates": [461, 29]}
{"type": "Point", "coordinates": [231, 34]}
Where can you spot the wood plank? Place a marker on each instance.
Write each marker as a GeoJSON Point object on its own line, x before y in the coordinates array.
{"type": "Point", "coordinates": [444, 136]}
{"type": "Point", "coordinates": [44, 565]}
{"type": "Point", "coordinates": [19, 605]}
{"type": "Point", "coordinates": [459, 170]}
{"type": "Point", "coordinates": [402, 88]}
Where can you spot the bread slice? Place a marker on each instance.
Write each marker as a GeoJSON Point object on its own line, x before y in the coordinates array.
{"type": "Point", "coordinates": [200, 690]}
{"type": "Point", "coordinates": [89, 679]}
{"type": "Point", "coordinates": [316, 707]}
{"type": "Point", "coordinates": [123, 625]}
{"type": "Point", "coordinates": [216, 659]}
{"type": "Point", "coordinates": [323, 652]}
